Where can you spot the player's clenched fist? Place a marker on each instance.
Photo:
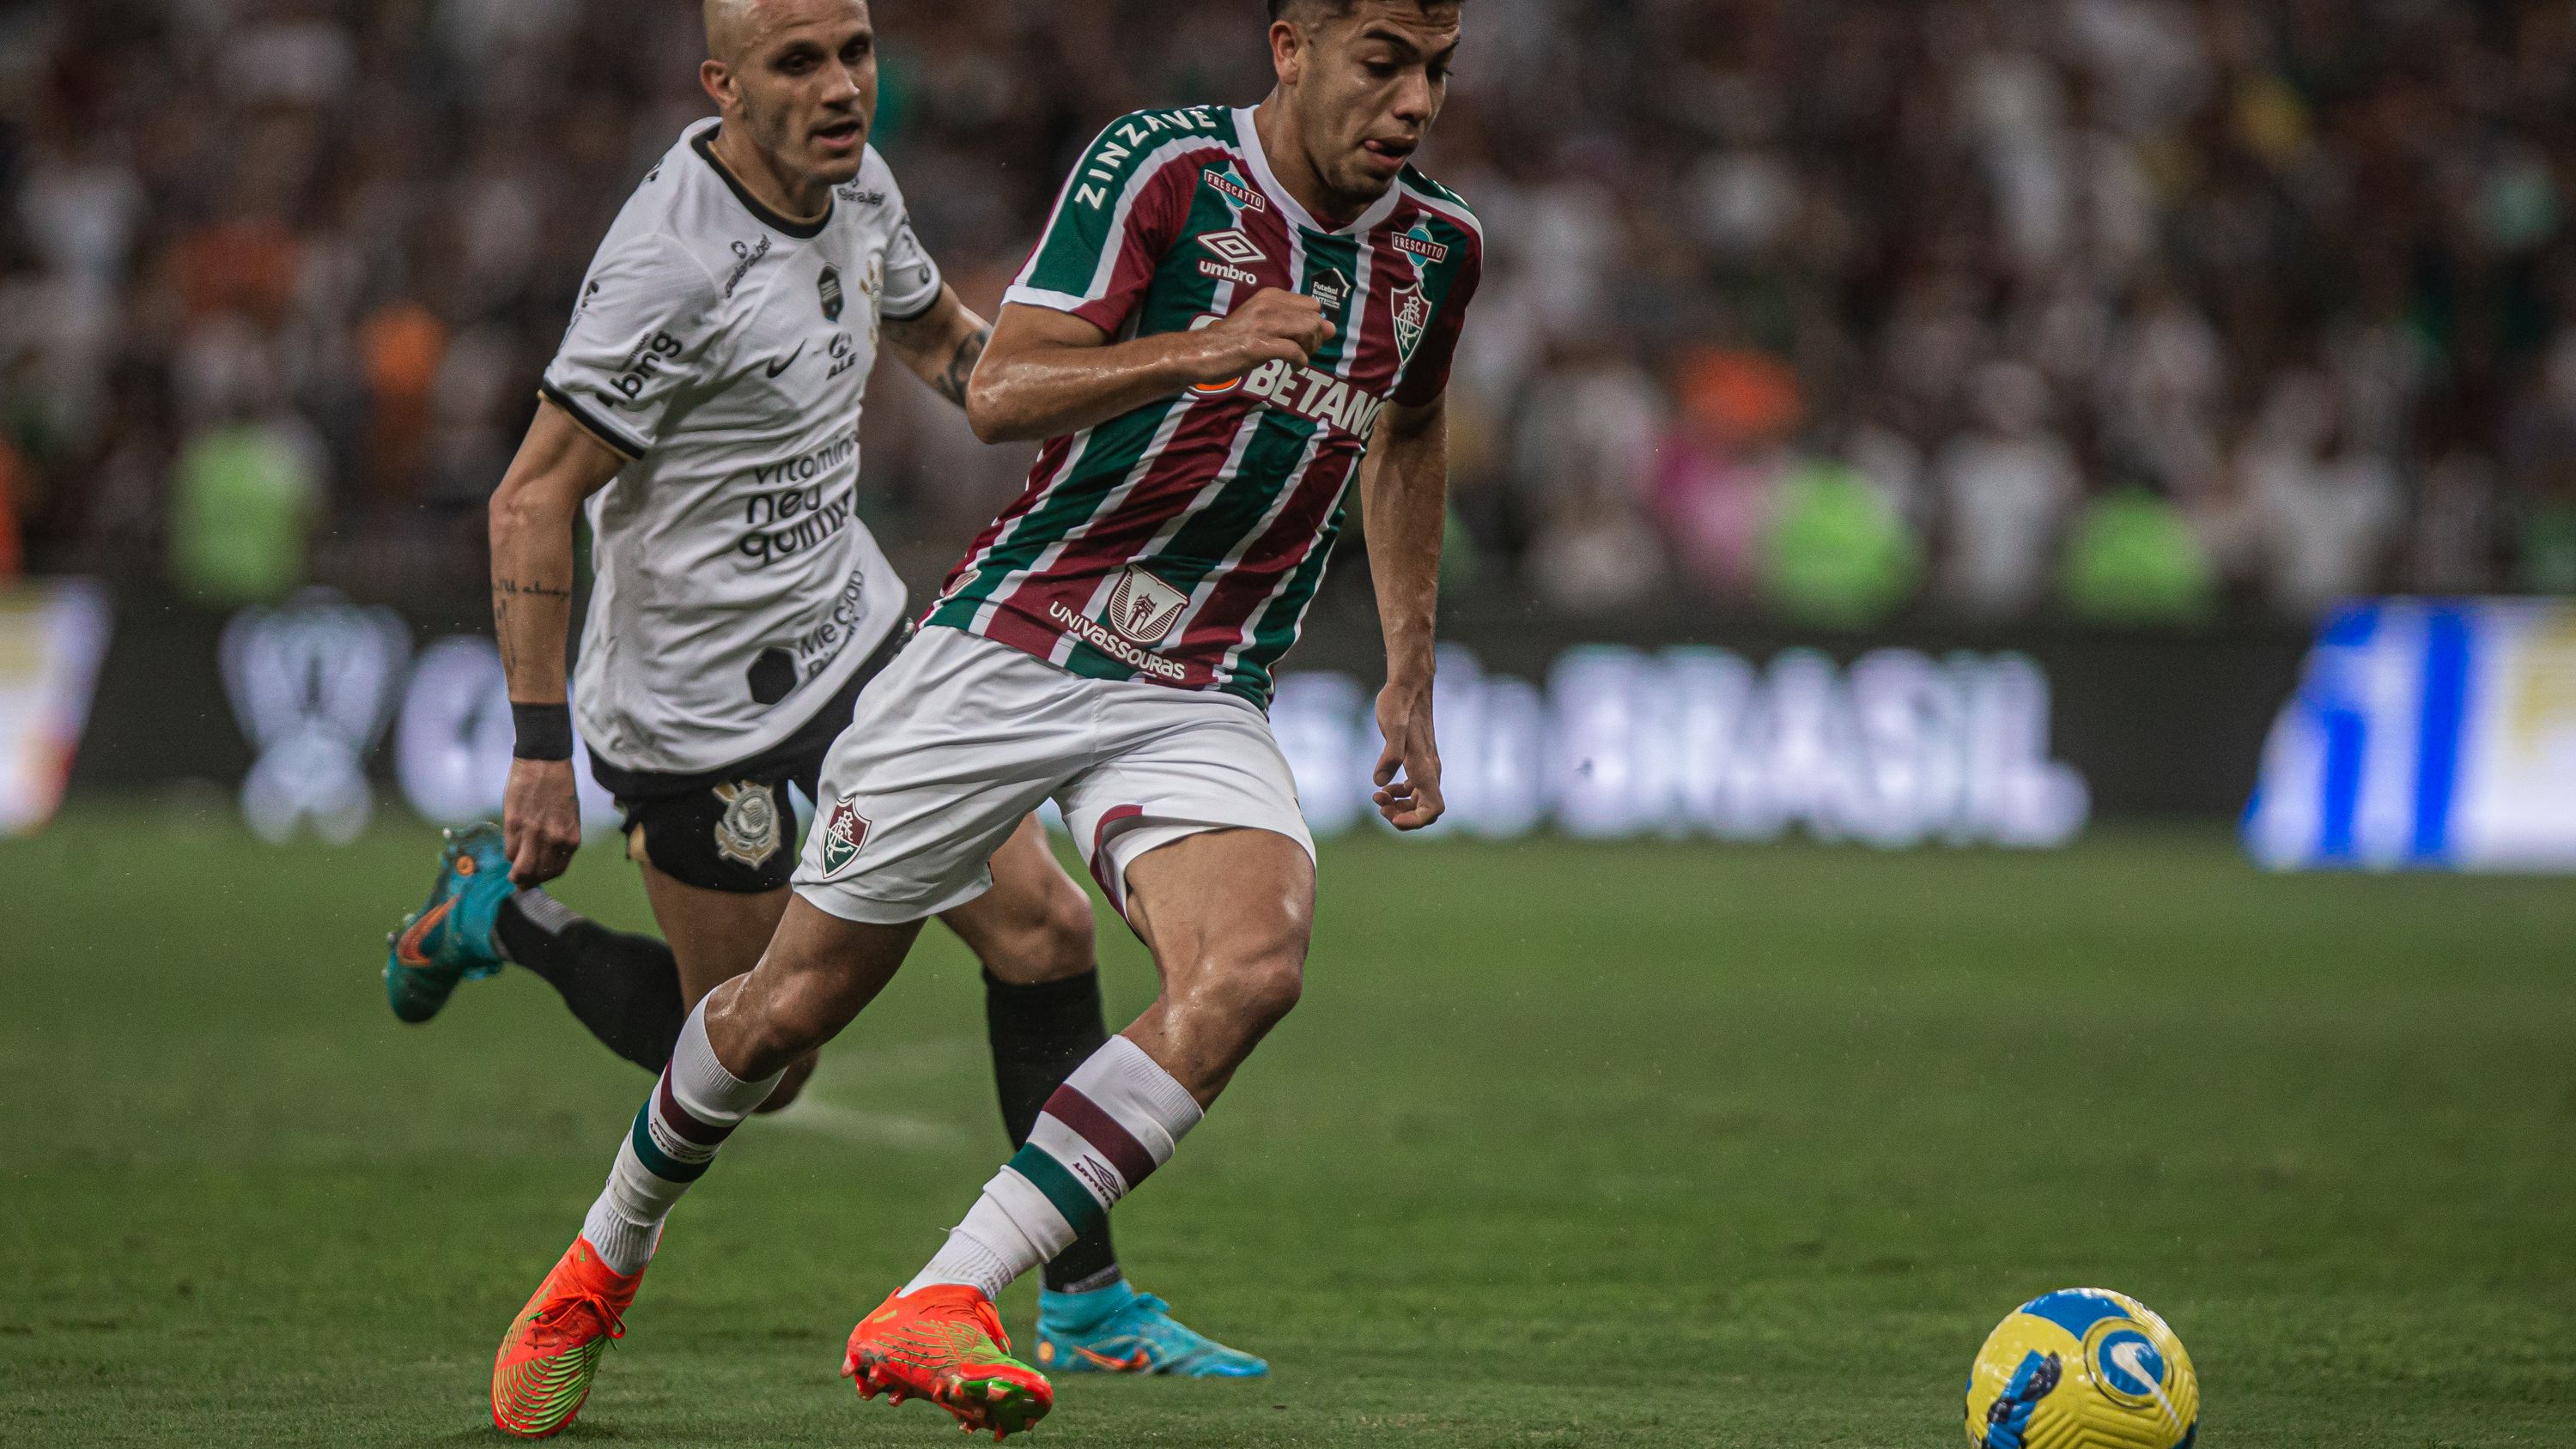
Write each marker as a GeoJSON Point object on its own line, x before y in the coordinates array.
{"type": "Point", "coordinates": [1275, 326]}
{"type": "Point", "coordinates": [540, 820]}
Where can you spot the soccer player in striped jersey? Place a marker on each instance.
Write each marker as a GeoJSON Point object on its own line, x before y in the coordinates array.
{"type": "Point", "coordinates": [1233, 318]}
{"type": "Point", "coordinates": [706, 403]}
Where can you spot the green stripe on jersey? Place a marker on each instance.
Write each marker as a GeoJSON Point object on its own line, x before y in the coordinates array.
{"type": "Point", "coordinates": [1085, 230]}
{"type": "Point", "coordinates": [1270, 464]}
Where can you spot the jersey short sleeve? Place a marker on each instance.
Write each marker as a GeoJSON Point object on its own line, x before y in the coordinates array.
{"type": "Point", "coordinates": [1120, 211]}
{"type": "Point", "coordinates": [1428, 375]}
{"type": "Point", "coordinates": [644, 331]}
{"type": "Point", "coordinates": [912, 280]}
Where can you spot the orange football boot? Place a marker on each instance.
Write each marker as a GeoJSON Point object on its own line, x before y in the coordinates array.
{"type": "Point", "coordinates": [542, 1374]}
{"type": "Point", "coordinates": [946, 1344]}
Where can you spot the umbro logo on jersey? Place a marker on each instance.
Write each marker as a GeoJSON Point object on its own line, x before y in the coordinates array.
{"type": "Point", "coordinates": [1233, 251]}
{"type": "Point", "coordinates": [833, 297]}
{"type": "Point", "coordinates": [775, 368]}
{"type": "Point", "coordinates": [1233, 248]}
{"type": "Point", "coordinates": [1244, 196]}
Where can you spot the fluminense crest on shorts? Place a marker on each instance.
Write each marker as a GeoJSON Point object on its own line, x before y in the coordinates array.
{"type": "Point", "coordinates": [750, 833]}
{"type": "Point", "coordinates": [1144, 608]}
{"type": "Point", "coordinates": [845, 834]}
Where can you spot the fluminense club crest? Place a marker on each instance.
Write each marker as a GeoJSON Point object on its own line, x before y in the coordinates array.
{"type": "Point", "coordinates": [1412, 315]}
{"type": "Point", "coordinates": [845, 834]}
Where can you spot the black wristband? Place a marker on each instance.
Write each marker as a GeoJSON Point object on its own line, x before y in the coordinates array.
{"type": "Point", "coordinates": [545, 731]}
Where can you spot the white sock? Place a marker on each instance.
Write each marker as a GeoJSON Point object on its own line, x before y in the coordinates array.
{"type": "Point", "coordinates": [1115, 1120]}
{"type": "Point", "coordinates": [694, 1107]}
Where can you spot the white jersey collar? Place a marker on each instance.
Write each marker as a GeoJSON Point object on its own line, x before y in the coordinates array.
{"type": "Point", "coordinates": [1247, 127]}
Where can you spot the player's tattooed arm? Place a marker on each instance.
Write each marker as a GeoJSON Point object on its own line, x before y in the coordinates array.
{"type": "Point", "coordinates": [532, 514]}
{"type": "Point", "coordinates": [942, 346]}
{"type": "Point", "coordinates": [533, 510]}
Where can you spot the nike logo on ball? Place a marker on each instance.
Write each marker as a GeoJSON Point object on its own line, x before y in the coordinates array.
{"type": "Point", "coordinates": [776, 368]}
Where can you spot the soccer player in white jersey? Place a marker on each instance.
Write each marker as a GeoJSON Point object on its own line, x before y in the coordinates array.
{"type": "Point", "coordinates": [705, 409]}
{"type": "Point", "coordinates": [1233, 316]}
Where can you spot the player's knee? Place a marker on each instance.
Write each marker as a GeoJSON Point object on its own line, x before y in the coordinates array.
{"type": "Point", "coordinates": [1051, 940]}
{"type": "Point", "coordinates": [1264, 987]}
{"type": "Point", "coordinates": [1062, 944]}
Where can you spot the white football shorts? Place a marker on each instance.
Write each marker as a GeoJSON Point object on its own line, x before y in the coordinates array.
{"type": "Point", "coordinates": [961, 738]}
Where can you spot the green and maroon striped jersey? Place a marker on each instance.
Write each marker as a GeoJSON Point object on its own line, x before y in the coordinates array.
{"type": "Point", "coordinates": [1182, 542]}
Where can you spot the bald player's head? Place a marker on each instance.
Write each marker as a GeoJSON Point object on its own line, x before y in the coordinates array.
{"type": "Point", "coordinates": [729, 28]}
{"type": "Point", "coordinates": [797, 79]}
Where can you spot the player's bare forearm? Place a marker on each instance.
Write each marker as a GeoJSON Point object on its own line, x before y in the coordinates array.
{"type": "Point", "coordinates": [942, 345]}
{"type": "Point", "coordinates": [532, 513]}
{"type": "Point", "coordinates": [1404, 500]}
{"type": "Point", "coordinates": [1049, 373]}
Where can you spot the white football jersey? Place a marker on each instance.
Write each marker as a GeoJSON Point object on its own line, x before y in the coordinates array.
{"type": "Point", "coordinates": [724, 351]}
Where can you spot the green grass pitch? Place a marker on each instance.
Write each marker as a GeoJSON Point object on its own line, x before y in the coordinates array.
{"type": "Point", "coordinates": [1569, 1145]}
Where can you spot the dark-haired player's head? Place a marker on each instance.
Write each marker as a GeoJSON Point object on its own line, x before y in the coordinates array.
{"type": "Point", "coordinates": [799, 77]}
{"type": "Point", "coordinates": [1362, 81]}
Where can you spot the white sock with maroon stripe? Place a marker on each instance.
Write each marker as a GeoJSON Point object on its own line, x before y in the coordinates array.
{"type": "Point", "coordinates": [693, 1109]}
{"type": "Point", "coordinates": [1115, 1120]}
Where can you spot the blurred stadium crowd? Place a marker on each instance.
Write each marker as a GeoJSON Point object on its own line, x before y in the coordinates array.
{"type": "Point", "coordinates": [2119, 309]}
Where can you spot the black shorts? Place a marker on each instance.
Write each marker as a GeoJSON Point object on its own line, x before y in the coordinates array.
{"type": "Point", "coordinates": [734, 829]}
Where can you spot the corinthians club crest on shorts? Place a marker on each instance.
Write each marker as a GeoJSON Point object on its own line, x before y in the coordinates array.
{"type": "Point", "coordinates": [749, 833]}
{"type": "Point", "coordinates": [833, 298]}
{"type": "Point", "coordinates": [844, 835]}
{"type": "Point", "coordinates": [1144, 608]}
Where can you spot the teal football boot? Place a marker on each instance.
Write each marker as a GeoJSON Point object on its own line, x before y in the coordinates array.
{"type": "Point", "coordinates": [450, 939]}
{"type": "Point", "coordinates": [1117, 1330]}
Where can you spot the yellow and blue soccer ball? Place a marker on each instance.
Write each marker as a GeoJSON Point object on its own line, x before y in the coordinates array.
{"type": "Point", "coordinates": [2083, 1369]}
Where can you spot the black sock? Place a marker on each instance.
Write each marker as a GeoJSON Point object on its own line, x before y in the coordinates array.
{"type": "Point", "coordinates": [1040, 1034]}
{"type": "Point", "coordinates": [626, 989]}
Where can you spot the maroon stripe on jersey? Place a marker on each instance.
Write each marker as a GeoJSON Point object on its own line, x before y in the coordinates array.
{"type": "Point", "coordinates": [1277, 553]}
{"type": "Point", "coordinates": [1162, 208]}
{"type": "Point", "coordinates": [1102, 1131]}
{"type": "Point", "coordinates": [1050, 459]}
{"type": "Point", "coordinates": [1010, 626]}
{"type": "Point", "coordinates": [1170, 482]}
